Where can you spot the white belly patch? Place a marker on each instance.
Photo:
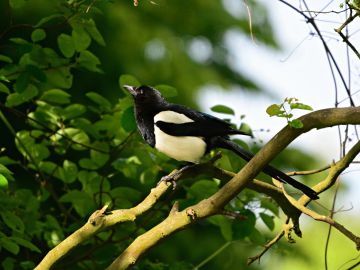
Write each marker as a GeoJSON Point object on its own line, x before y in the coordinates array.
{"type": "Point", "coordinates": [182, 148]}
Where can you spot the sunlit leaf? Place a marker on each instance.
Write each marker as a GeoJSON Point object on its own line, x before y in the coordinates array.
{"type": "Point", "coordinates": [274, 109]}
{"type": "Point", "coordinates": [300, 106]}
{"type": "Point", "coordinates": [222, 109]}
{"type": "Point", "coordinates": [16, 99]}
{"type": "Point", "coordinates": [3, 182]}
{"type": "Point", "coordinates": [296, 123]}
{"type": "Point", "coordinates": [56, 96]}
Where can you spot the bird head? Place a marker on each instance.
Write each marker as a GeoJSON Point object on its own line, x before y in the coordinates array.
{"type": "Point", "coordinates": [145, 94]}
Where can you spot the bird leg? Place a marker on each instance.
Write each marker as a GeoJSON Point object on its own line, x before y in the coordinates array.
{"type": "Point", "coordinates": [177, 174]}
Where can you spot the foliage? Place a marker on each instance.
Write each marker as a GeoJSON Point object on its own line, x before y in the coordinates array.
{"type": "Point", "coordinates": [69, 144]}
{"type": "Point", "coordinates": [285, 110]}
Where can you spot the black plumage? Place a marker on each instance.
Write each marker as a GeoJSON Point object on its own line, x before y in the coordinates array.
{"type": "Point", "coordinates": [185, 134]}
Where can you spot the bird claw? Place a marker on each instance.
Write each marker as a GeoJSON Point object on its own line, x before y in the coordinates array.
{"type": "Point", "coordinates": [168, 179]}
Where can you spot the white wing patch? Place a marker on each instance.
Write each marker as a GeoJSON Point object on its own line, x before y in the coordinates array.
{"type": "Point", "coordinates": [182, 148]}
{"type": "Point", "coordinates": [172, 117]}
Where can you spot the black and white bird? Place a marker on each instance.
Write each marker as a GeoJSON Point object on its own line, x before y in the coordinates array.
{"type": "Point", "coordinates": [187, 135]}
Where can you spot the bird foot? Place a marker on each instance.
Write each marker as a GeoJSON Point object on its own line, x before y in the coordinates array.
{"type": "Point", "coordinates": [169, 179]}
{"type": "Point", "coordinates": [174, 176]}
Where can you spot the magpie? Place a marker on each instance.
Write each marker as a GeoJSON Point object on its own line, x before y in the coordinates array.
{"type": "Point", "coordinates": [187, 135]}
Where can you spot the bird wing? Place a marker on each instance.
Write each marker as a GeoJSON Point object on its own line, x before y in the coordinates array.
{"type": "Point", "coordinates": [203, 125]}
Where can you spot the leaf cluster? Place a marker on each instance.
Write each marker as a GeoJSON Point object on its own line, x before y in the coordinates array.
{"type": "Point", "coordinates": [69, 144]}
{"type": "Point", "coordinates": [285, 110]}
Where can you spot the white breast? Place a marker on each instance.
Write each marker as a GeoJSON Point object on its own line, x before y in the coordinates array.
{"type": "Point", "coordinates": [183, 148]}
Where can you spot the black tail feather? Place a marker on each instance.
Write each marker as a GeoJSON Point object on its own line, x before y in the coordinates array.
{"type": "Point", "coordinates": [268, 169]}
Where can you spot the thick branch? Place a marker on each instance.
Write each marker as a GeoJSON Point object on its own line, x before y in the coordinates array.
{"type": "Point", "coordinates": [98, 221]}
{"type": "Point", "coordinates": [335, 170]}
{"type": "Point", "coordinates": [210, 206]}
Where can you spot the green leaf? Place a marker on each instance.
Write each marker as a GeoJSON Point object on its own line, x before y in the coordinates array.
{"type": "Point", "coordinates": [48, 167]}
{"type": "Point", "coordinates": [60, 77]}
{"type": "Point", "coordinates": [91, 28]}
{"type": "Point", "coordinates": [246, 128]}
{"type": "Point", "coordinates": [25, 243]}
{"type": "Point", "coordinates": [167, 90]}
{"type": "Point", "coordinates": [34, 152]}
{"type": "Point", "coordinates": [38, 35]}
{"type": "Point", "coordinates": [128, 120]}
{"type": "Point", "coordinates": [9, 245]}
{"type": "Point", "coordinates": [20, 41]}
{"type": "Point", "coordinates": [66, 45]}
{"type": "Point", "coordinates": [3, 182]}
{"type": "Point", "coordinates": [22, 82]}
{"type": "Point", "coordinates": [87, 163]}
{"type": "Point", "coordinates": [268, 220]}
{"type": "Point", "coordinates": [100, 100]}
{"type": "Point", "coordinates": [12, 221]}
{"type": "Point", "coordinates": [73, 111]}
{"type": "Point", "coordinates": [16, 99]}
{"type": "Point", "coordinates": [81, 201]}
{"type": "Point", "coordinates": [4, 58]}
{"type": "Point", "coordinates": [270, 205]}
{"type": "Point", "coordinates": [8, 263]}
{"type": "Point", "coordinates": [89, 61]}
{"type": "Point", "coordinates": [130, 194]}
{"type": "Point", "coordinates": [274, 109]}
{"type": "Point", "coordinates": [127, 79]}
{"type": "Point", "coordinates": [80, 138]}
{"type": "Point", "coordinates": [296, 123]}
{"type": "Point", "coordinates": [202, 189]}
{"type": "Point", "coordinates": [17, 3]}
{"type": "Point", "coordinates": [47, 19]}
{"type": "Point", "coordinates": [222, 109]}
{"type": "Point", "coordinates": [300, 106]}
{"type": "Point", "coordinates": [4, 170]}
{"type": "Point", "coordinates": [243, 228]}
{"type": "Point", "coordinates": [4, 88]}
{"type": "Point", "coordinates": [56, 96]}
{"type": "Point", "coordinates": [99, 158]}
{"type": "Point", "coordinates": [81, 39]}
{"type": "Point", "coordinates": [257, 237]}
{"type": "Point", "coordinates": [70, 171]}
{"type": "Point", "coordinates": [224, 225]}
{"type": "Point", "coordinates": [4, 78]}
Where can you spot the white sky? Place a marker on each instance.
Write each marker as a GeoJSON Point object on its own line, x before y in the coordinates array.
{"type": "Point", "coordinates": [300, 70]}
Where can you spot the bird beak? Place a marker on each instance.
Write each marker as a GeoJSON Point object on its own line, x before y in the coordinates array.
{"type": "Point", "coordinates": [130, 89]}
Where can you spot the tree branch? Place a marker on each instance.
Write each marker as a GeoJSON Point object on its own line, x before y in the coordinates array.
{"type": "Point", "coordinates": [207, 207]}
{"type": "Point", "coordinates": [178, 220]}
{"type": "Point", "coordinates": [334, 172]}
